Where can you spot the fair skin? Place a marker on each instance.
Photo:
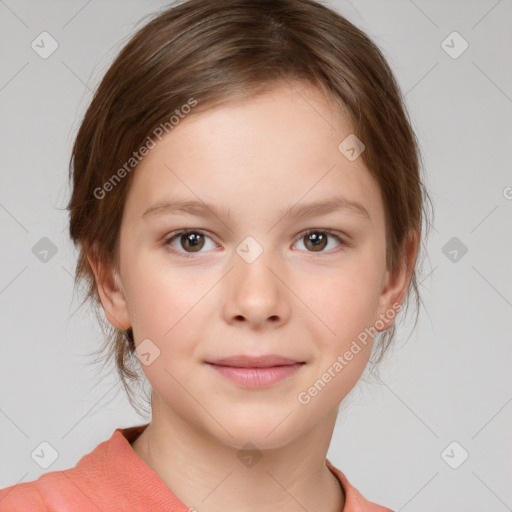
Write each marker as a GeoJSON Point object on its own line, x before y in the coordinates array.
{"type": "Point", "coordinates": [255, 157]}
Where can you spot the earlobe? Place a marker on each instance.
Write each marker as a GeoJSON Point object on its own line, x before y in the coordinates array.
{"type": "Point", "coordinates": [110, 292]}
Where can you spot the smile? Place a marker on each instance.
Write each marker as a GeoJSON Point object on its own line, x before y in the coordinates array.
{"type": "Point", "coordinates": [256, 372]}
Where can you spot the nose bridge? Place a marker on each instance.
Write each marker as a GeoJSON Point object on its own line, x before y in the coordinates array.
{"type": "Point", "coordinates": [255, 291]}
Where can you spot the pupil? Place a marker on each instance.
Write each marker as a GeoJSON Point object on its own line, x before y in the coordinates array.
{"type": "Point", "coordinates": [318, 240]}
{"type": "Point", "coordinates": [194, 240]}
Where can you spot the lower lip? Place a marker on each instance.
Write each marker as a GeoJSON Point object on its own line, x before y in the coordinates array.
{"type": "Point", "coordinates": [257, 377]}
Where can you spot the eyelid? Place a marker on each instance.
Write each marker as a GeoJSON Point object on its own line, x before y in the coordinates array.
{"type": "Point", "coordinates": [340, 237]}
{"type": "Point", "coordinates": [175, 234]}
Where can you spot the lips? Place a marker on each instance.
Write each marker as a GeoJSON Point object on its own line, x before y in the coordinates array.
{"type": "Point", "coordinates": [266, 361]}
{"type": "Point", "coordinates": [256, 372]}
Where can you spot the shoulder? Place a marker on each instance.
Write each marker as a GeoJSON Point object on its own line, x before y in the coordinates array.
{"type": "Point", "coordinates": [57, 490]}
{"type": "Point", "coordinates": [17, 498]}
{"type": "Point", "coordinates": [30, 495]}
{"type": "Point", "coordinates": [354, 500]}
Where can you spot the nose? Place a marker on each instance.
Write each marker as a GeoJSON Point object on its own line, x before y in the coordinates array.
{"type": "Point", "coordinates": [256, 294]}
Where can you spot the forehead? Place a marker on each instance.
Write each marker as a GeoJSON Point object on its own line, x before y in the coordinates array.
{"type": "Point", "coordinates": [253, 153]}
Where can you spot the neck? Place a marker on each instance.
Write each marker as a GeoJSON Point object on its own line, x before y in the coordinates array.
{"type": "Point", "coordinates": [210, 476]}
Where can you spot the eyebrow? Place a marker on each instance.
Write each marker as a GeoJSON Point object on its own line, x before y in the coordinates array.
{"type": "Point", "coordinates": [202, 209]}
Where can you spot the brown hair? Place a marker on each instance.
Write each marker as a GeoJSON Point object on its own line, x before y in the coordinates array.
{"type": "Point", "coordinates": [211, 52]}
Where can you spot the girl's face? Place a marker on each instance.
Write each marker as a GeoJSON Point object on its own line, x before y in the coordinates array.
{"type": "Point", "coordinates": [248, 280]}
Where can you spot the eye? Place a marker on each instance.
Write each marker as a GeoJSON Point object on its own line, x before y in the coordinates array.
{"type": "Point", "coordinates": [316, 240]}
{"type": "Point", "coordinates": [191, 240]}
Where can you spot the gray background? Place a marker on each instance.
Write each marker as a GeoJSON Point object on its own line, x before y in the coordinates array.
{"type": "Point", "coordinates": [449, 381]}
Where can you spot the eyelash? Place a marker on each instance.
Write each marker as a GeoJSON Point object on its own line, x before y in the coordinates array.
{"type": "Point", "coordinates": [177, 234]}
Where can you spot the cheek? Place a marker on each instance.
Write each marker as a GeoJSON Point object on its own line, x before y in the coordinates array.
{"type": "Point", "coordinates": [157, 299]}
{"type": "Point", "coordinates": [347, 308]}
{"type": "Point", "coordinates": [172, 307]}
{"type": "Point", "coordinates": [166, 308]}
{"type": "Point", "coordinates": [345, 303]}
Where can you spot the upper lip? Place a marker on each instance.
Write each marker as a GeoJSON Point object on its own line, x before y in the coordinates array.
{"type": "Point", "coordinates": [254, 362]}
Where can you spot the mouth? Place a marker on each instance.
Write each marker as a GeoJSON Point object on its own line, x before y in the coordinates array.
{"type": "Point", "coordinates": [256, 372]}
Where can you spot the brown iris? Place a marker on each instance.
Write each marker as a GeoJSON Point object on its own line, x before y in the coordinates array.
{"type": "Point", "coordinates": [192, 241]}
{"type": "Point", "coordinates": [317, 240]}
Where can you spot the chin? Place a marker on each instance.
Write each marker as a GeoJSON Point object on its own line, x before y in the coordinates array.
{"type": "Point", "coordinates": [264, 433]}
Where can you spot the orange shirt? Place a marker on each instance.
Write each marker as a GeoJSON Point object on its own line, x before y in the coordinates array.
{"type": "Point", "coordinates": [113, 478]}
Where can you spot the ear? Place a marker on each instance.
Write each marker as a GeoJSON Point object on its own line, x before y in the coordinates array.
{"type": "Point", "coordinates": [395, 284]}
{"type": "Point", "coordinates": [110, 292]}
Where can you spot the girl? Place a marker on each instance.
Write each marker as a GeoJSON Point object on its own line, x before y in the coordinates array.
{"type": "Point", "coordinates": [248, 206]}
